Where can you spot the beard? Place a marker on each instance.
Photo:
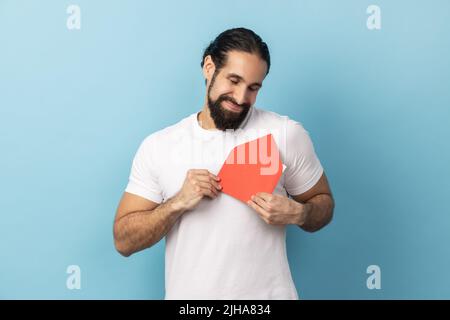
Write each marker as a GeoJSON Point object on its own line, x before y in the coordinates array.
{"type": "Point", "coordinates": [224, 118]}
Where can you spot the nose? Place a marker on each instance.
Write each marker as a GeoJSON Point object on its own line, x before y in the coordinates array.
{"type": "Point", "coordinates": [241, 95]}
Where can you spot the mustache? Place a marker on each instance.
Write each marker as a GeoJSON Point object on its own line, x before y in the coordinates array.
{"type": "Point", "coordinates": [230, 99]}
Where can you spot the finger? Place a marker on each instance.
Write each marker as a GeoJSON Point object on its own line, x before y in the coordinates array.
{"type": "Point", "coordinates": [209, 180]}
{"type": "Point", "coordinates": [263, 213]}
{"type": "Point", "coordinates": [216, 178]}
{"type": "Point", "coordinates": [265, 196]}
{"type": "Point", "coordinates": [205, 172]}
{"type": "Point", "coordinates": [200, 172]}
{"type": "Point", "coordinates": [262, 203]}
{"type": "Point", "coordinates": [208, 192]}
{"type": "Point", "coordinates": [207, 185]}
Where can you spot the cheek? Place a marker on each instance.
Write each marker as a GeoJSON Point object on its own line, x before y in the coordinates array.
{"type": "Point", "coordinates": [220, 89]}
{"type": "Point", "coordinates": [252, 97]}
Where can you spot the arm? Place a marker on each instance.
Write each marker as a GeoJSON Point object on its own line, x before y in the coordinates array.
{"type": "Point", "coordinates": [317, 205]}
{"type": "Point", "coordinates": [318, 212]}
{"type": "Point", "coordinates": [140, 223]}
{"type": "Point", "coordinates": [135, 230]}
{"type": "Point", "coordinates": [311, 210]}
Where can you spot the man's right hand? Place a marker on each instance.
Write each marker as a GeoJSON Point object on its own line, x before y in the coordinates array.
{"type": "Point", "coordinates": [197, 184]}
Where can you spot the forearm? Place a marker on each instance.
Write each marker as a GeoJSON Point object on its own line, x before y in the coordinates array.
{"type": "Point", "coordinates": [142, 229]}
{"type": "Point", "coordinates": [318, 212]}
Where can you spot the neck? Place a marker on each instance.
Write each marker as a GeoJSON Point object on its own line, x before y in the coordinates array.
{"type": "Point", "coordinates": [205, 120]}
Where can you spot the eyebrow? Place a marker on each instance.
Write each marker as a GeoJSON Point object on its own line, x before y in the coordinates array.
{"type": "Point", "coordinates": [234, 75]}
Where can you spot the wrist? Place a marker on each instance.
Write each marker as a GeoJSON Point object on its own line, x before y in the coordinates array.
{"type": "Point", "coordinates": [177, 205]}
{"type": "Point", "coordinates": [304, 210]}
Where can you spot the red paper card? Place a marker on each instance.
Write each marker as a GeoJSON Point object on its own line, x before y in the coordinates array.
{"type": "Point", "coordinates": [252, 167]}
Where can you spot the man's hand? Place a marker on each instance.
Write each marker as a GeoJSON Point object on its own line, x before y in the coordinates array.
{"type": "Point", "coordinates": [197, 184]}
{"type": "Point", "coordinates": [278, 209]}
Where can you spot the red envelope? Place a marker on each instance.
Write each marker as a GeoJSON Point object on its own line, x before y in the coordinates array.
{"type": "Point", "coordinates": [250, 168]}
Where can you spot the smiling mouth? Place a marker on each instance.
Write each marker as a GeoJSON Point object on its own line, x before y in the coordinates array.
{"type": "Point", "coordinates": [232, 107]}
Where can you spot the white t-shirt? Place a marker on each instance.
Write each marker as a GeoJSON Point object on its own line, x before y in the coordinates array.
{"type": "Point", "coordinates": [222, 249]}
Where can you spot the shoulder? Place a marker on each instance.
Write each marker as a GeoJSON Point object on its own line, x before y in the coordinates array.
{"type": "Point", "coordinates": [293, 140]}
{"type": "Point", "coordinates": [287, 127]}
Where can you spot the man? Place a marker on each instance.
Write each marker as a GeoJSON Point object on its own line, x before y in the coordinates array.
{"type": "Point", "coordinates": [218, 247]}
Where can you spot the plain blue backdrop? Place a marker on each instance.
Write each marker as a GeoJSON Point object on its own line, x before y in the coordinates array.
{"type": "Point", "coordinates": [75, 105]}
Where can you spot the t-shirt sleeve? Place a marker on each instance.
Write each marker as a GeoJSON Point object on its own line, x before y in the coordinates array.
{"type": "Point", "coordinates": [303, 167]}
{"type": "Point", "coordinates": [143, 179]}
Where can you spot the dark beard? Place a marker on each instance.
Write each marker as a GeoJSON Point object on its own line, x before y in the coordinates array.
{"type": "Point", "coordinates": [223, 118]}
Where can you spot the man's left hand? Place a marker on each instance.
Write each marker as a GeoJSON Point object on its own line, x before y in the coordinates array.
{"type": "Point", "coordinates": [278, 209]}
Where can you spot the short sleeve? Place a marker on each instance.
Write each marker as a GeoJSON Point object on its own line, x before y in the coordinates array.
{"type": "Point", "coordinates": [303, 167]}
{"type": "Point", "coordinates": [143, 179]}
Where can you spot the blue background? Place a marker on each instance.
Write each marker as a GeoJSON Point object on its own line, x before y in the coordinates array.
{"type": "Point", "coordinates": [75, 105]}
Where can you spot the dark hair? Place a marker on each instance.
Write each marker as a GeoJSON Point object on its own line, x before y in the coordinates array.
{"type": "Point", "coordinates": [239, 39]}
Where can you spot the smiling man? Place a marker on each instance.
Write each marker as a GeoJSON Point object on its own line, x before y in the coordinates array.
{"type": "Point", "coordinates": [216, 246]}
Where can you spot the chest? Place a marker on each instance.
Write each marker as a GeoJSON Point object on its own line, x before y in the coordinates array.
{"type": "Point", "coordinates": [195, 154]}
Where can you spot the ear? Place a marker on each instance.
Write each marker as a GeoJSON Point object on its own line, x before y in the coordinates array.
{"type": "Point", "coordinates": [208, 68]}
